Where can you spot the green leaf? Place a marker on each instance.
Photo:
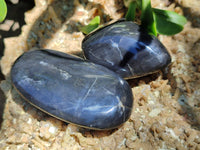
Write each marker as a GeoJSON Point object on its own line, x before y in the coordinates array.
{"type": "Point", "coordinates": [139, 4]}
{"type": "Point", "coordinates": [168, 22]}
{"type": "Point", "coordinates": [94, 23]}
{"type": "Point", "coordinates": [130, 15]}
{"type": "Point", "coordinates": [147, 19]}
{"type": "Point", "coordinates": [3, 10]}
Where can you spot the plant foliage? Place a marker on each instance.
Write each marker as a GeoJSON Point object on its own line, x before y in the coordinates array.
{"type": "Point", "coordinates": [130, 15]}
{"type": "Point", "coordinates": [91, 26]}
{"type": "Point", "coordinates": [147, 17]}
{"type": "Point", "coordinates": [3, 10]}
{"type": "Point", "coordinates": [155, 21]}
{"type": "Point", "coordinates": [168, 22]}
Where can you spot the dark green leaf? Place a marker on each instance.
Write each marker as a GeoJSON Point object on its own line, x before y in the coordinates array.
{"type": "Point", "coordinates": [3, 10]}
{"type": "Point", "coordinates": [147, 17]}
{"type": "Point", "coordinates": [91, 26]}
{"type": "Point", "coordinates": [130, 15]}
{"type": "Point", "coordinates": [168, 22]}
{"type": "Point", "coordinates": [139, 4]}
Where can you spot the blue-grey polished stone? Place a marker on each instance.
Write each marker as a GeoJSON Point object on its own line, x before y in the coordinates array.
{"type": "Point", "coordinates": [72, 89]}
{"type": "Point", "coordinates": [127, 49]}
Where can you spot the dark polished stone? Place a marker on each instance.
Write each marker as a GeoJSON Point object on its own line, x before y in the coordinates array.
{"type": "Point", "coordinates": [72, 89]}
{"type": "Point", "coordinates": [126, 49]}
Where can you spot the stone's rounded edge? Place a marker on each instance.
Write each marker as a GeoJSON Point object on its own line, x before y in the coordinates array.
{"type": "Point", "coordinates": [126, 105]}
{"type": "Point", "coordinates": [12, 71]}
{"type": "Point", "coordinates": [168, 58]}
{"type": "Point", "coordinates": [102, 28]}
{"type": "Point", "coordinates": [140, 36]}
{"type": "Point", "coordinates": [127, 91]}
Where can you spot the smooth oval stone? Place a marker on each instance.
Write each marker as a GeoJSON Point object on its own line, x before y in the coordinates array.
{"type": "Point", "coordinates": [72, 89]}
{"type": "Point", "coordinates": [126, 49]}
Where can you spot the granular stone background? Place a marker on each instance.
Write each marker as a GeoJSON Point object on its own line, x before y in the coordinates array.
{"type": "Point", "coordinates": [166, 112]}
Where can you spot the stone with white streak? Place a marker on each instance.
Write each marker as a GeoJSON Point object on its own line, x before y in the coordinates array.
{"type": "Point", "coordinates": [72, 89]}
{"type": "Point", "coordinates": [127, 49]}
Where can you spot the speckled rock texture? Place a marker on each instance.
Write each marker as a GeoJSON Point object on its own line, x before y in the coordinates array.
{"type": "Point", "coordinates": [166, 112]}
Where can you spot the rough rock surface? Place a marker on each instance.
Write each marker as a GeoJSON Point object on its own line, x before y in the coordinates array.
{"type": "Point", "coordinates": [166, 113]}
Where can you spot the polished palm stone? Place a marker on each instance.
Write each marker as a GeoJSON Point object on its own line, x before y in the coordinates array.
{"type": "Point", "coordinates": [127, 49]}
{"type": "Point", "coordinates": [72, 89]}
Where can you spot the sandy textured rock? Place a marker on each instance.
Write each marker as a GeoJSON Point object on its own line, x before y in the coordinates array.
{"type": "Point", "coordinates": [166, 108]}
